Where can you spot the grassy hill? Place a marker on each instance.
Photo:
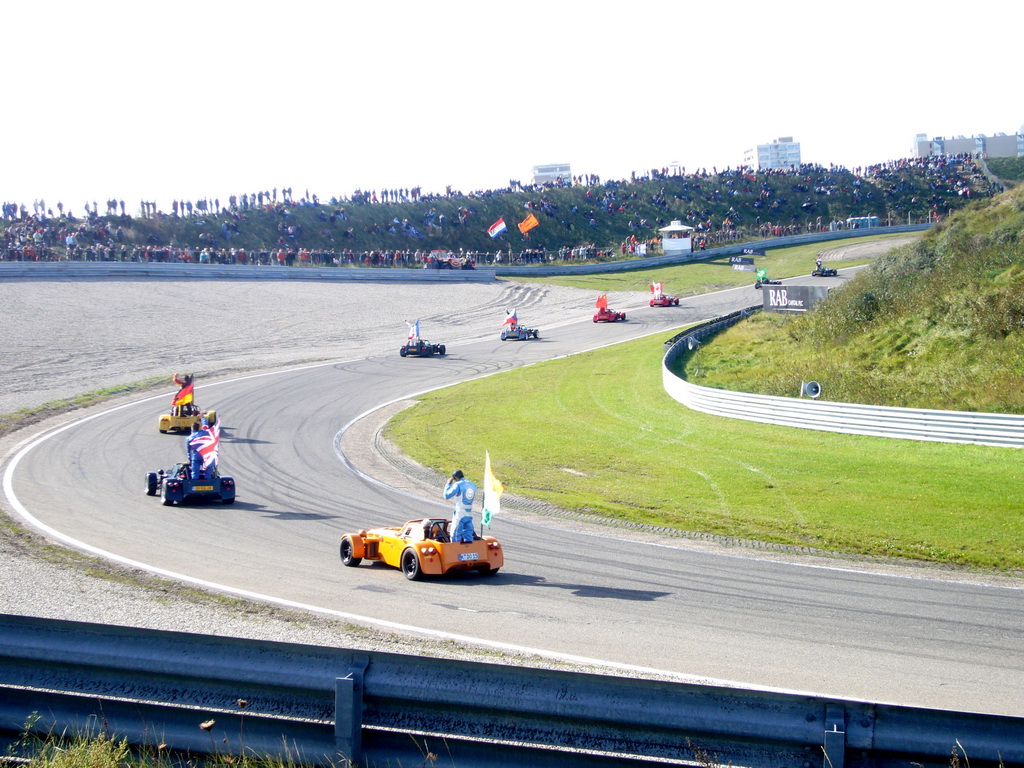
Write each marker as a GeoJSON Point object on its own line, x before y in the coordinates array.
{"type": "Point", "coordinates": [724, 205]}
{"type": "Point", "coordinates": [936, 324]}
{"type": "Point", "coordinates": [1009, 169]}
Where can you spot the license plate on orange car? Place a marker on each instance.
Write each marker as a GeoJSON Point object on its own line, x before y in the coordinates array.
{"type": "Point", "coordinates": [469, 556]}
{"type": "Point", "coordinates": [202, 487]}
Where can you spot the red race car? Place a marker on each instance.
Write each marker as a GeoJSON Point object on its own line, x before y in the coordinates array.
{"type": "Point", "coordinates": [659, 299]}
{"type": "Point", "coordinates": [605, 315]}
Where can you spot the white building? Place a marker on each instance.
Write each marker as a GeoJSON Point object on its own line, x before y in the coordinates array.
{"type": "Point", "coordinates": [782, 152]}
{"type": "Point", "coordinates": [999, 145]}
{"type": "Point", "coordinates": [544, 174]}
{"type": "Point", "coordinates": [676, 238]}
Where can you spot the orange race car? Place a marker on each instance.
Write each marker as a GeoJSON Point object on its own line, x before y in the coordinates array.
{"type": "Point", "coordinates": [422, 548]}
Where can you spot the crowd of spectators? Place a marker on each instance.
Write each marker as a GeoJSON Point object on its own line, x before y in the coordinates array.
{"type": "Point", "coordinates": [721, 205]}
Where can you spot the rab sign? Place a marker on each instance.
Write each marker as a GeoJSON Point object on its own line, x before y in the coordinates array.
{"type": "Point", "coordinates": [792, 298]}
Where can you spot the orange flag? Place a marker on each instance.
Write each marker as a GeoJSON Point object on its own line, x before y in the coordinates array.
{"type": "Point", "coordinates": [602, 301]}
{"type": "Point", "coordinates": [528, 223]}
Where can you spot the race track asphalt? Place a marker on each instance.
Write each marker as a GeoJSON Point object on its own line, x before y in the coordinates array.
{"type": "Point", "coordinates": [655, 604]}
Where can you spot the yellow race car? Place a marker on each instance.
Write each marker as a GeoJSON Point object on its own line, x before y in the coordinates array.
{"type": "Point", "coordinates": [422, 548]}
{"type": "Point", "coordinates": [180, 419]}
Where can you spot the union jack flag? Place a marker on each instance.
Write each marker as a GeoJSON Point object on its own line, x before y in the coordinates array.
{"type": "Point", "coordinates": [512, 318]}
{"type": "Point", "coordinates": [207, 443]}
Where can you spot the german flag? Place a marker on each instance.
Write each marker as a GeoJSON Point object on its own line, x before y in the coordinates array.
{"type": "Point", "coordinates": [184, 396]}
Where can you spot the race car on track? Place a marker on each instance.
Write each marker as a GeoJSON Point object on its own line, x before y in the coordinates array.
{"type": "Point", "coordinates": [660, 299]}
{"type": "Point", "coordinates": [180, 419]}
{"type": "Point", "coordinates": [421, 348]}
{"type": "Point", "coordinates": [820, 271]}
{"type": "Point", "coordinates": [519, 333]}
{"type": "Point", "coordinates": [184, 412]}
{"type": "Point", "coordinates": [605, 315]}
{"type": "Point", "coordinates": [178, 485]}
{"type": "Point", "coordinates": [511, 330]}
{"type": "Point", "coordinates": [422, 548]}
{"type": "Point", "coordinates": [665, 301]}
{"type": "Point", "coordinates": [761, 278]}
{"type": "Point", "coordinates": [416, 347]}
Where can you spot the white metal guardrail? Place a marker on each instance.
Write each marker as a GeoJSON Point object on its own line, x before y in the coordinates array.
{"type": "Point", "coordinates": [994, 429]}
{"type": "Point", "coordinates": [317, 704]}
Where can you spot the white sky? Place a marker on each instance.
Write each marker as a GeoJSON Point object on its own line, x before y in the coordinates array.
{"type": "Point", "coordinates": [183, 99]}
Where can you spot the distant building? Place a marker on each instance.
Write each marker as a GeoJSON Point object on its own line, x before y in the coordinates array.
{"type": "Point", "coordinates": [999, 145]}
{"type": "Point", "coordinates": [544, 174]}
{"type": "Point", "coordinates": [780, 153]}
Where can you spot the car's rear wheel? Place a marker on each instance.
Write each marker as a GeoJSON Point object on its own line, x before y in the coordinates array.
{"type": "Point", "coordinates": [164, 498]}
{"type": "Point", "coordinates": [347, 549]}
{"type": "Point", "coordinates": [151, 484]}
{"type": "Point", "coordinates": [229, 501]}
{"type": "Point", "coordinates": [489, 571]}
{"type": "Point", "coordinates": [403, 352]}
{"type": "Point", "coordinates": [411, 565]}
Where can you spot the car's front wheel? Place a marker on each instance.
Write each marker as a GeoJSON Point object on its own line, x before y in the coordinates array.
{"type": "Point", "coordinates": [347, 550]}
{"type": "Point", "coordinates": [411, 565]}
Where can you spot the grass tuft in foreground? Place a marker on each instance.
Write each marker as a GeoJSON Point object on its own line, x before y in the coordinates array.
{"type": "Point", "coordinates": [98, 748]}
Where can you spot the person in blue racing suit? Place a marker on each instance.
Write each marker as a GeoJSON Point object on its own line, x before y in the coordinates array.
{"type": "Point", "coordinates": [464, 492]}
{"type": "Point", "coordinates": [195, 459]}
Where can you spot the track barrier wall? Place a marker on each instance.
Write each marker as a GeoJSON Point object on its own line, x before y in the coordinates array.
{"type": "Point", "coordinates": [993, 429]}
{"type": "Point", "coordinates": [320, 704]}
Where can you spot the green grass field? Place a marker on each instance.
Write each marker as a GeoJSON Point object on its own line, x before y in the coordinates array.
{"type": "Point", "coordinates": [598, 434]}
{"type": "Point", "coordinates": [711, 274]}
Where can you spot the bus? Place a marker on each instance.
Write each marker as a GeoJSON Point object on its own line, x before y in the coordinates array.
{"type": "Point", "coordinates": [862, 222]}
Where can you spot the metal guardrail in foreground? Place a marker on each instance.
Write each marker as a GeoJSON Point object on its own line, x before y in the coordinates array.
{"type": "Point", "coordinates": [110, 269]}
{"type": "Point", "coordinates": [325, 705]}
{"type": "Point", "coordinates": [993, 429]}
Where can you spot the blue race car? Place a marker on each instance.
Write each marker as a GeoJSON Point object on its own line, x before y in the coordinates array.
{"type": "Point", "coordinates": [177, 485]}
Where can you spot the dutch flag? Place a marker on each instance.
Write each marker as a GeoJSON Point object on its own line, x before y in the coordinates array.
{"type": "Point", "coordinates": [496, 228]}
